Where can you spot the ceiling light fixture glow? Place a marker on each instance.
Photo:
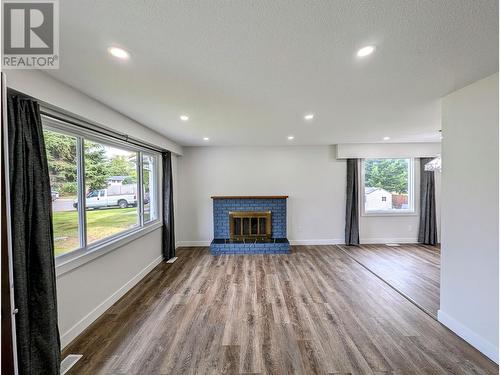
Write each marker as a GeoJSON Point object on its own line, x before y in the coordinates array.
{"type": "Point", "coordinates": [206, 139]}
{"type": "Point", "coordinates": [291, 137]}
{"type": "Point", "coordinates": [387, 138]}
{"type": "Point", "coordinates": [365, 51]}
{"type": "Point", "coordinates": [309, 117]}
{"type": "Point", "coordinates": [184, 118]}
{"type": "Point", "coordinates": [119, 53]}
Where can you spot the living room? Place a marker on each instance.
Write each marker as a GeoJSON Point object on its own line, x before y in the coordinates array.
{"type": "Point", "coordinates": [250, 187]}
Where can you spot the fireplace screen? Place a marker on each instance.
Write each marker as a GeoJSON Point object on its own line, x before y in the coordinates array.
{"type": "Point", "coordinates": [249, 225]}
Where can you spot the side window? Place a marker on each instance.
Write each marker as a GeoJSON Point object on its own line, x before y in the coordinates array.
{"type": "Point", "coordinates": [93, 194]}
{"type": "Point", "coordinates": [149, 186]}
{"type": "Point", "coordinates": [61, 157]}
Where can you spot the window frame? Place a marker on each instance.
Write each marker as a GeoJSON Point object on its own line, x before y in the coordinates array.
{"type": "Point", "coordinates": [156, 183]}
{"type": "Point", "coordinates": [410, 211]}
{"type": "Point", "coordinates": [86, 252]}
{"type": "Point", "coordinates": [81, 181]}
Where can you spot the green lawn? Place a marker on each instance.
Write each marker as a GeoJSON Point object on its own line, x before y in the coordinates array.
{"type": "Point", "coordinates": [100, 224]}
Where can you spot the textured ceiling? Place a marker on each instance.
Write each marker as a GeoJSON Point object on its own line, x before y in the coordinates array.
{"type": "Point", "coordinates": [246, 71]}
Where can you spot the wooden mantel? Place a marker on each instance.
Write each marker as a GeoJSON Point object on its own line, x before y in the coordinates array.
{"type": "Point", "coordinates": [249, 196]}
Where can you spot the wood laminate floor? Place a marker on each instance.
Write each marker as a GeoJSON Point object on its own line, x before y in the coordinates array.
{"type": "Point", "coordinates": [316, 311]}
{"type": "Point", "coordinates": [412, 269]}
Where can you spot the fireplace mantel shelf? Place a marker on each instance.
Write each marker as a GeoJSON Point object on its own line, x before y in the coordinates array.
{"type": "Point", "coordinates": [249, 196]}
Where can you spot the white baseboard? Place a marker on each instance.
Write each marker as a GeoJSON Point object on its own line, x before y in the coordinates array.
{"type": "Point", "coordinates": [193, 243]}
{"type": "Point", "coordinates": [324, 241]}
{"type": "Point", "coordinates": [68, 362]}
{"type": "Point", "coordinates": [292, 242]}
{"type": "Point", "coordinates": [88, 319]}
{"type": "Point", "coordinates": [383, 240]}
{"type": "Point", "coordinates": [478, 342]}
{"type": "Point", "coordinates": [327, 241]}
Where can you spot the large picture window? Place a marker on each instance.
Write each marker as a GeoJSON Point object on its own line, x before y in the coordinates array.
{"type": "Point", "coordinates": [388, 186]}
{"type": "Point", "coordinates": [101, 189]}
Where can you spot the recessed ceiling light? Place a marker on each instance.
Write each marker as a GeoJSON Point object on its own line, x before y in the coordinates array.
{"type": "Point", "coordinates": [365, 51]}
{"type": "Point", "coordinates": [184, 117]}
{"type": "Point", "coordinates": [309, 117]}
{"type": "Point", "coordinates": [206, 139]}
{"type": "Point", "coordinates": [119, 53]}
{"type": "Point", "coordinates": [387, 138]}
{"type": "Point", "coordinates": [291, 137]}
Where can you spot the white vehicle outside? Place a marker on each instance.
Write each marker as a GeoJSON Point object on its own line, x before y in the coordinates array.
{"type": "Point", "coordinates": [122, 196]}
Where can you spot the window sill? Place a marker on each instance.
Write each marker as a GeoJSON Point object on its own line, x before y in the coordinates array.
{"type": "Point", "coordinates": [388, 214]}
{"type": "Point", "coordinates": [84, 256]}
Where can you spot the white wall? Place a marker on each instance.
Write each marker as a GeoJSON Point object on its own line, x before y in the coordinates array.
{"type": "Point", "coordinates": [311, 175]}
{"type": "Point", "coordinates": [44, 87]}
{"type": "Point", "coordinates": [469, 261]}
{"type": "Point", "coordinates": [87, 291]}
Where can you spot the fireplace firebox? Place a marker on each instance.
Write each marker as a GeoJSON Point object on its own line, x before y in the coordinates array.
{"type": "Point", "coordinates": [249, 225]}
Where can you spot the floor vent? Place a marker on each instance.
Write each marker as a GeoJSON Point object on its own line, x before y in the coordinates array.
{"type": "Point", "coordinates": [392, 244]}
{"type": "Point", "coordinates": [172, 260]}
{"type": "Point", "coordinates": [69, 362]}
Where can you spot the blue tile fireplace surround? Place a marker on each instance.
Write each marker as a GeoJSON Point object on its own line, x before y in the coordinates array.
{"type": "Point", "coordinates": [225, 241]}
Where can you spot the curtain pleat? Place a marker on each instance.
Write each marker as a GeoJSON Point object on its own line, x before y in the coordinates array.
{"type": "Point", "coordinates": [35, 295]}
{"type": "Point", "coordinates": [352, 204]}
{"type": "Point", "coordinates": [427, 233]}
{"type": "Point", "coordinates": [168, 232]}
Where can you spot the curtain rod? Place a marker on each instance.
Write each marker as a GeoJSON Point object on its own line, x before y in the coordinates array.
{"type": "Point", "coordinates": [58, 113]}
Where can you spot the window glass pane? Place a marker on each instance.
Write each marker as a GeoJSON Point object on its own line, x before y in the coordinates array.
{"type": "Point", "coordinates": [386, 185]}
{"type": "Point", "coordinates": [61, 157]}
{"type": "Point", "coordinates": [111, 190]}
{"type": "Point", "coordinates": [149, 172]}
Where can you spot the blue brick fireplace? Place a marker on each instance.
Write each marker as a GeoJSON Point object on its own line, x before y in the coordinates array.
{"type": "Point", "coordinates": [276, 243]}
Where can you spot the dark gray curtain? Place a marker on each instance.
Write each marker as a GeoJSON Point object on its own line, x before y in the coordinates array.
{"type": "Point", "coordinates": [168, 233]}
{"type": "Point", "coordinates": [352, 205]}
{"type": "Point", "coordinates": [37, 335]}
{"type": "Point", "coordinates": [427, 233]}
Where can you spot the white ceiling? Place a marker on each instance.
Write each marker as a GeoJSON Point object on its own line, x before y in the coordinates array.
{"type": "Point", "coordinates": [246, 71]}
